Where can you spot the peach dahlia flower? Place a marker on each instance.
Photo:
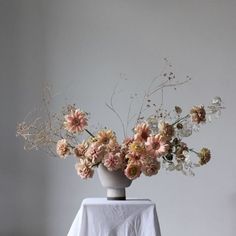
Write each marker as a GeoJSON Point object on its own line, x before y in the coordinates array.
{"type": "Point", "coordinates": [95, 152]}
{"type": "Point", "coordinates": [142, 132]}
{"type": "Point", "coordinates": [105, 136]}
{"type": "Point", "coordinates": [133, 170]}
{"type": "Point", "coordinates": [84, 169]}
{"type": "Point", "coordinates": [81, 149]}
{"type": "Point", "coordinates": [62, 148]}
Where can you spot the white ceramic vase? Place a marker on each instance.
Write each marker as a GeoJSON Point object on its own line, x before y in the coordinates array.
{"type": "Point", "coordinates": [114, 181]}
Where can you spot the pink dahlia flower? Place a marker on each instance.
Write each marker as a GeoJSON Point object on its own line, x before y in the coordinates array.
{"type": "Point", "coordinates": [156, 146]}
{"type": "Point", "coordinates": [95, 152]}
{"type": "Point", "coordinates": [133, 170]}
{"type": "Point", "coordinates": [84, 169]}
{"type": "Point", "coordinates": [76, 121]}
{"type": "Point", "coordinates": [142, 132]}
{"type": "Point", "coordinates": [113, 161]}
{"type": "Point", "coordinates": [150, 166]}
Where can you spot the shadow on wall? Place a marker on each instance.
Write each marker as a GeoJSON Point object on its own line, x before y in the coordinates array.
{"type": "Point", "coordinates": [22, 175]}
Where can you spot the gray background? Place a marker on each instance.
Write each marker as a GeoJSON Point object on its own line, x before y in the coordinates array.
{"type": "Point", "coordinates": [82, 47]}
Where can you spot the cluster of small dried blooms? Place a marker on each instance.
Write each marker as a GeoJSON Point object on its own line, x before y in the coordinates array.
{"type": "Point", "coordinates": [154, 142]}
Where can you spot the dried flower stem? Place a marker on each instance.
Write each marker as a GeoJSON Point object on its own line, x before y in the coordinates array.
{"type": "Point", "coordinates": [181, 119]}
{"type": "Point", "coordinates": [191, 150]}
{"type": "Point", "coordinates": [89, 133]}
{"type": "Point", "coordinates": [112, 108]}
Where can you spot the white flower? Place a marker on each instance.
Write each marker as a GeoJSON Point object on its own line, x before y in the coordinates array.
{"type": "Point", "coordinates": [186, 130]}
{"type": "Point", "coordinates": [216, 101]}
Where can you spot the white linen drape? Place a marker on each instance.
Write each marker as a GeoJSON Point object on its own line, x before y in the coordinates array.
{"type": "Point", "coordinates": [100, 217]}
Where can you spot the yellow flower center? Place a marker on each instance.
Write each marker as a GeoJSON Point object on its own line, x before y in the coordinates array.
{"type": "Point", "coordinates": [133, 171]}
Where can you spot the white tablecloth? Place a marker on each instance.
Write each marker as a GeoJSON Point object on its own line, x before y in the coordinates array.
{"type": "Point", "coordinates": [101, 217]}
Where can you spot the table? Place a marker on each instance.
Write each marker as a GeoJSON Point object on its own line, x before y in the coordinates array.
{"type": "Point", "coordinates": [102, 217]}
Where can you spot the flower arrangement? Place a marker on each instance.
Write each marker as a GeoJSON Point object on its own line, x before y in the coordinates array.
{"type": "Point", "coordinates": [156, 141]}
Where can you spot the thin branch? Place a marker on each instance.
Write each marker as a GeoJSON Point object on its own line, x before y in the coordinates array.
{"type": "Point", "coordinates": [89, 133]}
{"type": "Point", "coordinates": [128, 119]}
{"type": "Point", "coordinates": [169, 85]}
{"type": "Point", "coordinates": [112, 108]}
{"type": "Point", "coordinates": [181, 119]}
{"type": "Point", "coordinates": [118, 116]}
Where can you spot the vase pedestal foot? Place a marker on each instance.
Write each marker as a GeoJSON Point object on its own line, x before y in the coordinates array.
{"type": "Point", "coordinates": [116, 194]}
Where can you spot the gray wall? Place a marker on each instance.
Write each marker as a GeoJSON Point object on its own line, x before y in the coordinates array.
{"type": "Point", "coordinates": [82, 47]}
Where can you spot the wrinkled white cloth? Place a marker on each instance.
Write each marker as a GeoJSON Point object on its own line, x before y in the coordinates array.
{"type": "Point", "coordinates": [101, 217]}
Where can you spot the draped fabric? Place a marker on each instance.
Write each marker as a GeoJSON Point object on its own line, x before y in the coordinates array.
{"type": "Point", "coordinates": [101, 217]}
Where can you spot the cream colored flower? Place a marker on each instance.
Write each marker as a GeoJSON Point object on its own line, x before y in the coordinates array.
{"type": "Point", "coordinates": [204, 155]}
{"type": "Point", "coordinates": [107, 138]}
{"type": "Point", "coordinates": [166, 130]}
{"type": "Point", "coordinates": [62, 148]}
{"type": "Point", "coordinates": [198, 114]}
{"type": "Point", "coordinates": [180, 151]}
{"type": "Point", "coordinates": [136, 148]}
